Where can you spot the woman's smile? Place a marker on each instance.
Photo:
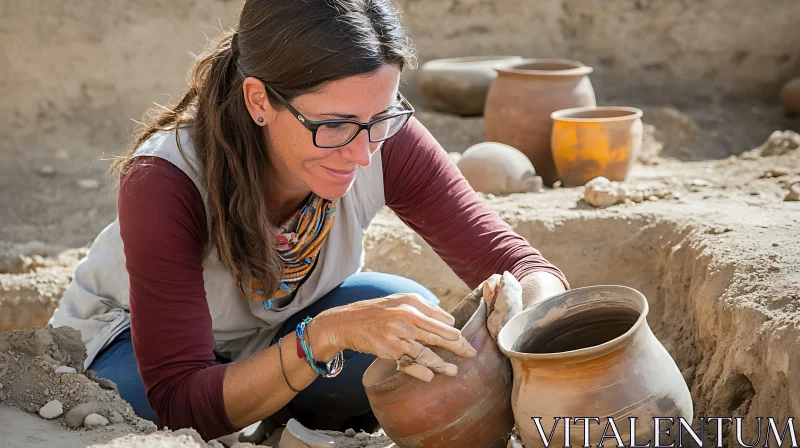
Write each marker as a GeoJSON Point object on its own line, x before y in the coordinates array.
{"type": "Point", "coordinates": [345, 176]}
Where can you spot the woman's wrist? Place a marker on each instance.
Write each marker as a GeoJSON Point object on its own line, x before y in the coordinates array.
{"type": "Point", "coordinates": [324, 336]}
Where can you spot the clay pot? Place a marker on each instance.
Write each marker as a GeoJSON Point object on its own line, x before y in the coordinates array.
{"type": "Point", "coordinates": [589, 352]}
{"type": "Point", "coordinates": [459, 85]}
{"type": "Point", "coordinates": [590, 142]}
{"type": "Point", "coordinates": [790, 96]}
{"type": "Point", "coordinates": [472, 408]}
{"type": "Point", "coordinates": [521, 100]}
{"type": "Point", "coordinates": [495, 168]}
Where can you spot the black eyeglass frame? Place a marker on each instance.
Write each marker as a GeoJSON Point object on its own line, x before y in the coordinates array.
{"type": "Point", "coordinates": [313, 125]}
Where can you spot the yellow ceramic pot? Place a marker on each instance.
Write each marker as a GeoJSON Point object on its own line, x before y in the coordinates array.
{"type": "Point", "coordinates": [588, 142]}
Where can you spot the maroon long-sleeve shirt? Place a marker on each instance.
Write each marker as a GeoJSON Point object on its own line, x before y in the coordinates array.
{"type": "Point", "coordinates": [163, 227]}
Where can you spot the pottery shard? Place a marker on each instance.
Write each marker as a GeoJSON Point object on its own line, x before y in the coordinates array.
{"type": "Point", "coordinates": [296, 435]}
{"type": "Point", "coordinates": [601, 192]}
{"type": "Point", "coordinates": [94, 420]}
{"type": "Point", "coordinates": [503, 297]}
{"type": "Point", "coordinates": [51, 410]}
{"type": "Point", "coordinates": [77, 415]}
{"type": "Point", "coordinates": [794, 192]}
{"type": "Point", "coordinates": [66, 369]}
{"type": "Point", "coordinates": [495, 168]}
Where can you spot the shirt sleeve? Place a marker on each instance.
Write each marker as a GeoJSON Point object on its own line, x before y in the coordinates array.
{"type": "Point", "coordinates": [431, 196]}
{"type": "Point", "coordinates": [163, 228]}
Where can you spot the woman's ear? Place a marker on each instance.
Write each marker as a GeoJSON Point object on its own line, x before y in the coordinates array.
{"type": "Point", "coordinates": [255, 97]}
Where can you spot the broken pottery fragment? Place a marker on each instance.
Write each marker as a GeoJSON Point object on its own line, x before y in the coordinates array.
{"type": "Point", "coordinates": [295, 435]}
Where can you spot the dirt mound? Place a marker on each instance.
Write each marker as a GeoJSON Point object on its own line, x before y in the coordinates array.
{"type": "Point", "coordinates": [40, 365]}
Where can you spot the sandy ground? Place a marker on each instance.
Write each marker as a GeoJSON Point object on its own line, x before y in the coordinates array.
{"type": "Point", "coordinates": [717, 258]}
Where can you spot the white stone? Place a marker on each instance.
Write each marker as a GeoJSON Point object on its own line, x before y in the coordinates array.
{"type": "Point", "coordinates": [601, 192]}
{"type": "Point", "coordinates": [65, 369]}
{"type": "Point", "coordinates": [51, 410]}
{"type": "Point", "coordinates": [94, 420]}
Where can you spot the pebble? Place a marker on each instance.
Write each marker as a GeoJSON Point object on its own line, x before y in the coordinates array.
{"type": "Point", "coordinates": [65, 369]}
{"type": "Point", "coordinates": [47, 171]}
{"type": "Point", "coordinates": [601, 192]}
{"type": "Point", "coordinates": [88, 184]}
{"type": "Point", "coordinates": [350, 432]}
{"type": "Point", "coordinates": [106, 384]}
{"type": "Point", "coordinates": [775, 172]}
{"type": "Point", "coordinates": [362, 436]}
{"type": "Point", "coordinates": [94, 420]}
{"type": "Point", "coordinates": [115, 417]}
{"type": "Point", "coordinates": [794, 192]}
{"type": "Point", "coordinates": [77, 415]}
{"type": "Point", "coordinates": [51, 410]}
{"type": "Point", "coordinates": [62, 154]}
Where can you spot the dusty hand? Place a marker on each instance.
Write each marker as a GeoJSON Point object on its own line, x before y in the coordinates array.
{"type": "Point", "coordinates": [399, 327]}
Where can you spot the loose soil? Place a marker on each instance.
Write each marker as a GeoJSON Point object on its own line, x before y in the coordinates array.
{"type": "Point", "coordinates": [715, 254]}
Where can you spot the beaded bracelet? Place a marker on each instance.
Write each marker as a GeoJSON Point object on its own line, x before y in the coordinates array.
{"type": "Point", "coordinates": [325, 370]}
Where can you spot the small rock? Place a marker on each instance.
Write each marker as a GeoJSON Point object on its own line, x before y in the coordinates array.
{"type": "Point", "coordinates": [51, 410]}
{"type": "Point", "coordinates": [775, 172]}
{"type": "Point", "coordinates": [652, 197]}
{"type": "Point", "coordinates": [699, 183]}
{"type": "Point", "coordinates": [106, 384]}
{"type": "Point", "coordinates": [780, 143]}
{"type": "Point", "coordinates": [773, 245]}
{"type": "Point", "coordinates": [91, 374]}
{"type": "Point", "coordinates": [794, 193]}
{"type": "Point", "coordinates": [362, 436]}
{"type": "Point", "coordinates": [601, 192]}
{"type": "Point", "coordinates": [718, 230]}
{"type": "Point", "coordinates": [66, 369]}
{"type": "Point", "coordinates": [62, 154]}
{"type": "Point", "coordinates": [774, 268]}
{"type": "Point", "coordinates": [94, 420]}
{"type": "Point", "coordinates": [76, 416]}
{"type": "Point", "coordinates": [115, 417]}
{"type": "Point", "coordinates": [88, 184]}
{"type": "Point", "coordinates": [47, 171]}
{"type": "Point", "coordinates": [350, 432]}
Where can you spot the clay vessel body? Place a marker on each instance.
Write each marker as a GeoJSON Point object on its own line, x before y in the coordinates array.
{"type": "Point", "coordinates": [495, 168]}
{"type": "Point", "coordinates": [460, 85]}
{"type": "Point", "coordinates": [520, 102]}
{"type": "Point", "coordinates": [590, 142]}
{"type": "Point", "coordinates": [790, 96]}
{"type": "Point", "coordinates": [589, 352]}
{"type": "Point", "coordinates": [472, 408]}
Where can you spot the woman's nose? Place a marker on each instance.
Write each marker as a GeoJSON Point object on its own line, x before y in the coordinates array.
{"type": "Point", "coordinates": [360, 149]}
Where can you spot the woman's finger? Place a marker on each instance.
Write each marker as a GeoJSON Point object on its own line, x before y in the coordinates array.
{"type": "Point", "coordinates": [460, 347]}
{"type": "Point", "coordinates": [426, 357]}
{"type": "Point", "coordinates": [420, 320]}
{"type": "Point", "coordinates": [417, 371]}
{"type": "Point", "coordinates": [428, 309]}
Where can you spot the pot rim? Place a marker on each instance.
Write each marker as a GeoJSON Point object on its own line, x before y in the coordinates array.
{"type": "Point", "coordinates": [564, 114]}
{"type": "Point", "coordinates": [581, 352]}
{"type": "Point", "coordinates": [577, 68]}
{"type": "Point", "coordinates": [472, 59]}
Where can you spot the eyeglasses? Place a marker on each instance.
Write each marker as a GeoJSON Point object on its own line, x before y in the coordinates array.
{"type": "Point", "coordinates": [336, 133]}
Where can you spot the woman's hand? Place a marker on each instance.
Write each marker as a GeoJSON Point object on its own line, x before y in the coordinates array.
{"type": "Point", "coordinates": [396, 327]}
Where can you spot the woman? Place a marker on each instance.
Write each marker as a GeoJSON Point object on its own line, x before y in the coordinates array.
{"type": "Point", "coordinates": [241, 215]}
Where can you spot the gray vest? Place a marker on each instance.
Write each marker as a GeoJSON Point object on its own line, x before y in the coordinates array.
{"type": "Point", "coordinates": [96, 302]}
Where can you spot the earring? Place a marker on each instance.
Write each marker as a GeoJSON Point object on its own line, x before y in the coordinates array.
{"type": "Point", "coordinates": [260, 119]}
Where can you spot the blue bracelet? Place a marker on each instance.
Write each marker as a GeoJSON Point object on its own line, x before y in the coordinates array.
{"type": "Point", "coordinates": [326, 370]}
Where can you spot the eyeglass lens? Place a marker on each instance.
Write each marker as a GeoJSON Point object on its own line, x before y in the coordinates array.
{"type": "Point", "coordinates": [337, 134]}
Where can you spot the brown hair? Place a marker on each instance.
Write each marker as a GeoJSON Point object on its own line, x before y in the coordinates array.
{"type": "Point", "coordinates": [298, 47]}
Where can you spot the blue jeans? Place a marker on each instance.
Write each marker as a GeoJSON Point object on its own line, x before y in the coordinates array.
{"type": "Point", "coordinates": [325, 404]}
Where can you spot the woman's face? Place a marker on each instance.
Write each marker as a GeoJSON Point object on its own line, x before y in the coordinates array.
{"type": "Point", "coordinates": [329, 172]}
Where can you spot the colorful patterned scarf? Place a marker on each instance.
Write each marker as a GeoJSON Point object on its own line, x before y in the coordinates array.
{"type": "Point", "coordinates": [298, 242]}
